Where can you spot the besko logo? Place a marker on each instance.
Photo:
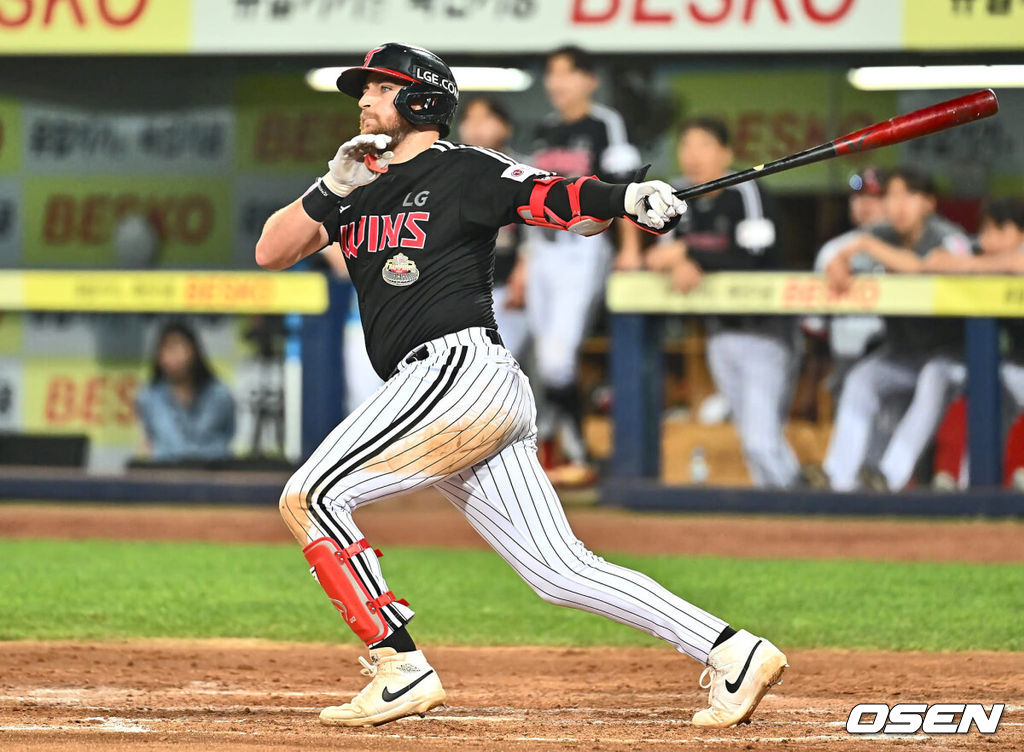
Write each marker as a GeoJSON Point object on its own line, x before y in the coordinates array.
{"type": "Point", "coordinates": [909, 718]}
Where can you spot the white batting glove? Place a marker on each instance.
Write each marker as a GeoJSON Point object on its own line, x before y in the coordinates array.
{"type": "Point", "coordinates": [661, 205]}
{"type": "Point", "coordinates": [348, 171]}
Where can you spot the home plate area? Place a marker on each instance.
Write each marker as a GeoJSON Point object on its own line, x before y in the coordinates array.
{"type": "Point", "coordinates": [246, 695]}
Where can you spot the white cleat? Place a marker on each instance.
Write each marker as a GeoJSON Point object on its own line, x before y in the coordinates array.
{"type": "Point", "coordinates": [401, 684]}
{"type": "Point", "coordinates": [740, 671]}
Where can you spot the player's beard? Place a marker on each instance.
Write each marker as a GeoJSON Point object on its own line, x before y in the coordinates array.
{"type": "Point", "coordinates": [397, 128]}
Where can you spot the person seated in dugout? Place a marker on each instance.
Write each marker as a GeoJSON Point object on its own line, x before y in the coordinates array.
{"type": "Point", "coordinates": [999, 250]}
{"type": "Point", "coordinates": [185, 411]}
{"type": "Point", "coordinates": [912, 239]}
{"type": "Point", "coordinates": [752, 359]}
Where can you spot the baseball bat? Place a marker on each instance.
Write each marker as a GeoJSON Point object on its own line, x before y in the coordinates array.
{"type": "Point", "coordinates": [939, 117]}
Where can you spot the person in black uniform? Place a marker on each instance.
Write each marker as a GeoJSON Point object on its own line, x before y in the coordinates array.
{"type": "Point", "coordinates": [416, 218]}
{"type": "Point", "coordinates": [567, 272]}
{"type": "Point", "coordinates": [751, 358]}
{"type": "Point", "coordinates": [485, 122]}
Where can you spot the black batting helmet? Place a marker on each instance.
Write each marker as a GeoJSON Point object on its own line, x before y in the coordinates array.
{"type": "Point", "coordinates": [431, 86]}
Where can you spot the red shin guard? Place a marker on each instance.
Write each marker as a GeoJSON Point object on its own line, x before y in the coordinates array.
{"type": "Point", "coordinates": [331, 566]}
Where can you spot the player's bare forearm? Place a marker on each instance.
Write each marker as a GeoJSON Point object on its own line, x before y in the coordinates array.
{"type": "Point", "coordinates": [941, 261]}
{"type": "Point", "coordinates": [288, 236]}
{"type": "Point", "coordinates": [893, 258]}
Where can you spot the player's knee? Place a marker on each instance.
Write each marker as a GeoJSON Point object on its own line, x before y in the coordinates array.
{"type": "Point", "coordinates": [293, 508]}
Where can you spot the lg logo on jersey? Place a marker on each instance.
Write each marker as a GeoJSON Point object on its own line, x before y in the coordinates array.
{"type": "Point", "coordinates": [419, 200]}
{"type": "Point", "coordinates": [380, 232]}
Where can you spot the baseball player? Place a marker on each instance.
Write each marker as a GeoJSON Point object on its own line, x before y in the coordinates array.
{"type": "Point", "coordinates": [943, 377]}
{"type": "Point", "coordinates": [851, 336]}
{"type": "Point", "coordinates": [912, 237]}
{"type": "Point", "coordinates": [567, 271]}
{"type": "Point", "coordinates": [485, 122]}
{"type": "Point", "coordinates": [416, 218]}
{"type": "Point", "coordinates": [751, 358]}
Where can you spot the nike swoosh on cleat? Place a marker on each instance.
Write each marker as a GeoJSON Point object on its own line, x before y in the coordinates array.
{"type": "Point", "coordinates": [733, 686]}
{"type": "Point", "coordinates": [392, 696]}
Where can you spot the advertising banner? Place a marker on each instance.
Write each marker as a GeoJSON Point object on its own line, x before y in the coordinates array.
{"type": "Point", "coordinates": [66, 140]}
{"type": "Point", "coordinates": [963, 24]}
{"type": "Point", "coordinates": [783, 292]}
{"type": "Point", "coordinates": [538, 25]}
{"type": "Point", "coordinates": [44, 27]}
{"type": "Point", "coordinates": [74, 221]}
{"type": "Point", "coordinates": [10, 222]}
{"type": "Point", "coordinates": [345, 27]}
{"type": "Point", "coordinates": [10, 136]}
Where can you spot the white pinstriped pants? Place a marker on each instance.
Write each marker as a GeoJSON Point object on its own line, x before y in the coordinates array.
{"type": "Point", "coordinates": [462, 420]}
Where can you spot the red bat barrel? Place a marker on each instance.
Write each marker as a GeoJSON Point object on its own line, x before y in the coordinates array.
{"type": "Point", "coordinates": [980, 104]}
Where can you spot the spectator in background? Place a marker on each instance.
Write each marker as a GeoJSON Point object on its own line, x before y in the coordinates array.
{"type": "Point", "coordinates": [485, 122]}
{"type": "Point", "coordinates": [942, 379]}
{"type": "Point", "coordinates": [850, 337]}
{"type": "Point", "coordinates": [752, 358]}
{"type": "Point", "coordinates": [186, 413]}
{"type": "Point", "coordinates": [912, 237]}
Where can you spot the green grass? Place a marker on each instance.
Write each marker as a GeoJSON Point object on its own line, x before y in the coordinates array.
{"type": "Point", "coordinates": [102, 590]}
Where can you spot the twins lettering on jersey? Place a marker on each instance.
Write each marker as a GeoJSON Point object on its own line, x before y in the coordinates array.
{"type": "Point", "coordinates": [379, 232]}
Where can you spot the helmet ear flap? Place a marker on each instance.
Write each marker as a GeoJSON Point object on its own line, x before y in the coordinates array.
{"type": "Point", "coordinates": [423, 105]}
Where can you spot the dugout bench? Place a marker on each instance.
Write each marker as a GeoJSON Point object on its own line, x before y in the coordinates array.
{"type": "Point", "coordinates": [639, 303]}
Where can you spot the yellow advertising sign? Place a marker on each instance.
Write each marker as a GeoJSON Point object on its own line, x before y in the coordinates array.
{"type": "Point", "coordinates": [44, 27]}
{"type": "Point", "coordinates": [801, 293]}
{"type": "Point", "coordinates": [172, 292]}
{"type": "Point", "coordinates": [78, 395]}
{"type": "Point", "coordinates": [83, 396]}
{"type": "Point", "coordinates": [72, 220]}
{"type": "Point", "coordinates": [963, 24]}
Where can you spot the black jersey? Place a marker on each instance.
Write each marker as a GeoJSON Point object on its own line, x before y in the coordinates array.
{"type": "Point", "coordinates": [506, 252]}
{"type": "Point", "coordinates": [419, 244]}
{"type": "Point", "coordinates": [596, 144]}
{"type": "Point", "coordinates": [734, 230]}
{"type": "Point", "coordinates": [913, 336]}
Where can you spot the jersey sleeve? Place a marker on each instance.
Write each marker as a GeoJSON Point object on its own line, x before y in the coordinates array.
{"type": "Point", "coordinates": [333, 225]}
{"type": "Point", "coordinates": [494, 186]}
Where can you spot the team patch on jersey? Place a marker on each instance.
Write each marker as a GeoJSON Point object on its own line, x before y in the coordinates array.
{"type": "Point", "coordinates": [400, 271]}
{"type": "Point", "coordinates": [520, 172]}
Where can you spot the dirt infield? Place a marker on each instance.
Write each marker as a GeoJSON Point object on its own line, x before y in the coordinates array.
{"type": "Point", "coordinates": [427, 520]}
{"type": "Point", "coordinates": [248, 695]}
{"type": "Point", "coordinates": [222, 695]}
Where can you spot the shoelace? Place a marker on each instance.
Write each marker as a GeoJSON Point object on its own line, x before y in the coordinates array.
{"type": "Point", "coordinates": [368, 669]}
{"type": "Point", "coordinates": [709, 672]}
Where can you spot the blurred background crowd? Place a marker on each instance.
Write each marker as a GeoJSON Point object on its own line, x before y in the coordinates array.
{"type": "Point", "coordinates": [175, 162]}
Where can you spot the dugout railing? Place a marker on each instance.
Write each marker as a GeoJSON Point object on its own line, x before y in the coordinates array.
{"type": "Point", "coordinates": [640, 302]}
